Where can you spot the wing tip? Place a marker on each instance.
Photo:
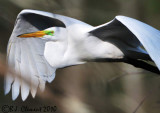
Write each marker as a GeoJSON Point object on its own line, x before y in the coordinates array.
{"type": "Point", "coordinates": [51, 78]}
{"type": "Point", "coordinates": [24, 96]}
{"type": "Point", "coordinates": [14, 97]}
{"type": "Point", "coordinates": [15, 89]}
{"type": "Point", "coordinates": [6, 91]}
{"type": "Point", "coordinates": [33, 93]}
{"type": "Point", "coordinates": [7, 84]}
{"type": "Point", "coordinates": [121, 17]}
{"type": "Point", "coordinates": [27, 10]}
{"type": "Point", "coordinates": [7, 88]}
{"type": "Point", "coordinates": [25, 90]}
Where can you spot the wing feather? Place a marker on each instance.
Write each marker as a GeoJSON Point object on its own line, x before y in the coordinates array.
{"type": "Point", "coordinates": [7, 83]}
{"type": "Point", "coordinates": [15, 88]}
{"type": "Point", "coordinates": [9, 78]}
{"type": "Point", "coordinates": [129, 34]}
{"type": "Point", "coordinates": [33, 69]}
{"type": "Point", "coordinates": [147, 35]}
{"type": "Point", "coordinates": [44, 66]}
{"type": "Point", "coordinates": [26, 56]}
{"type": "Point", "coordinates": [29, 58]}
{"type": "Point", "coordinates": [16, 83]}
{"type": "Point", "coordinates": [25, 72]}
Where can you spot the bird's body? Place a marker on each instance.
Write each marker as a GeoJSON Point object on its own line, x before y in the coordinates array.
{"type": "Point", "coordinates": [78, 51]}
{"type": "Point", "coordinates": [73, 47]}
{"type": "Point", "coordinates": [42, 42]}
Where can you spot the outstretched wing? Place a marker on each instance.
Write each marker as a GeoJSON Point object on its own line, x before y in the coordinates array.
{"type": "Point", "coordinates": [128, 34]}
{"type": "Point", "coordinates": [26, 55]}
{"type": "Point", "coordinates": [147, 35]}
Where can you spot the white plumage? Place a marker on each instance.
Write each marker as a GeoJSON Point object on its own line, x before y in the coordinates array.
{"type": "Point", "coordinates": [147, 35]}
{"type": "Point", "coordinates": [73, 42]}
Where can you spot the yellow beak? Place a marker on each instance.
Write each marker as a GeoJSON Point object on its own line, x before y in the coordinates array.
{"type": "Point", "coordinates": [37, 34]}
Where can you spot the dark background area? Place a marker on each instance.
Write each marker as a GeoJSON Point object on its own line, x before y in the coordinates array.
{"type": "Point", "coordinates": [91, 87]}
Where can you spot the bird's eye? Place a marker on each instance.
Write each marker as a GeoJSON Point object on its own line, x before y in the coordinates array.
{"type": "Point", "coordinates": [49, 32]}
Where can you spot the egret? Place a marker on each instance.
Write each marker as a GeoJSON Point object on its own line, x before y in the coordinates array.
{"type": "Point", "coordinates": [42, 42]}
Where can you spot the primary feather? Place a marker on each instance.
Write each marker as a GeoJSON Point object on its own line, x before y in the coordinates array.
{"type": "Point", "coordinates": [147, 35]}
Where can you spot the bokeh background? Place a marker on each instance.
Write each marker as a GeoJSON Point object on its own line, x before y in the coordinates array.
{"type": "Point", "coordinates": [91, 87]}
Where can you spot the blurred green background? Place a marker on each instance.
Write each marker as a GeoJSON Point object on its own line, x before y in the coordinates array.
{"type": "Point", "coordinates": [92, 87]}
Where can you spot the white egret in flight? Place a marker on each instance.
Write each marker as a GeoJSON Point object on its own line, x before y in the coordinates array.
{"type": "Point", "coordinates": [42, 42]}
